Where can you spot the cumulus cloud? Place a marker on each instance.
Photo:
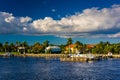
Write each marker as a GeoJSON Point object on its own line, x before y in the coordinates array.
{"type": "Point", "coordinates": [25, 19]}
{"type": "Point", "coordinates": [91, 22]}
{"type": "Point", "coordinates": [10, 24]}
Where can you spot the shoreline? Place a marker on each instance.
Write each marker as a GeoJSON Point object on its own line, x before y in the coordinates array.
{"type": "Point", "coordinates": [37, 55]}
{"type": "Point", "coordinates": [57, 55]}
{"type": "Point", "coordinates": [66, 57]}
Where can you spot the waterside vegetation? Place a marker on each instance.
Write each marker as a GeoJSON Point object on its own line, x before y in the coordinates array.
{"type": "Point", "coordinates": [69, 47]}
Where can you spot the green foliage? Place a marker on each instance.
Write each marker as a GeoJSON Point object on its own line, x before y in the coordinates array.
{"type": "Point", "coordinates": [79, 43]}
{"type": "Point", "coordinates": [36, 48]}
{"type": "Point", "coordinates": [1, 47]}
{"type": "Point", "coordinates": [101, 47]}
{"type": "Point", "coordinates": [46, 43]}
{"type": "Point", "coordinates": [6, 47]}
{"type": "Point", "coordinates": [69, 41]}
{"type": "Point", "coordinates": [12, 47]}
{"type": "Point", "coordinates": [62, 46]}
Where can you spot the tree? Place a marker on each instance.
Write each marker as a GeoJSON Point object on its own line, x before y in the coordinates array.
{"type": "Point", "coordinates": [24, 44]}
{"type": "Point", "coordinates": [17, 43]}
{"type": "Point", "coordinates": [62, 46]}
{"type": "Point", "coordinates": [107, 43]}
{"type": "Point", "coordinates": [6, 46]}
{"type": "Point", "coordinates": [37, 48]}
{"type": "Point", "coordinates": [79, 43]}
{"type": "Point", "coordinates": [1, 47]}
{"type": "Point", "coordinates": [69, 41]}
{"type": "Point", "coordinates": [46, 43]}
{"type": "Point", "coordinates": [37, 44]}
{"type": "Point", "coordinates": [101, 47]}
{"type": "Point", "coordinates": [12, 47]}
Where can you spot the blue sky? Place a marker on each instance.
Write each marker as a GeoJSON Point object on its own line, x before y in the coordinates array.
{"type": "Point", "coordinates": [88, 21]}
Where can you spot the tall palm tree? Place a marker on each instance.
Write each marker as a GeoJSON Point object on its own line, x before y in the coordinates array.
{"type": "Point", "coordinates": [17, 43]}
{"type": "Point", "coordinates": [6, 46]}
{"type": "Point", "coordinates": [69, 41]}
{"type": "Point", "coordinates": [12, 47]}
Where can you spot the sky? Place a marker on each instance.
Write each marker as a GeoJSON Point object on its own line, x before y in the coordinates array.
{"type": "Point", "coordinates": [88, 21]}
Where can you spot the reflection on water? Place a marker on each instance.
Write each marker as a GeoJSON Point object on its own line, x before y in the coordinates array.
{"type": "Point", "coordinates": [18, 68]}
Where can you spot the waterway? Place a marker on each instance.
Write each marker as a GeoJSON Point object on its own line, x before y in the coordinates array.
{"type": "Point", "coordinates": [29, 68]}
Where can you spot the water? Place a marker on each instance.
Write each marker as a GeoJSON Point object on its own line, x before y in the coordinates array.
{"type": "Point", "coordinates": [19, 68]}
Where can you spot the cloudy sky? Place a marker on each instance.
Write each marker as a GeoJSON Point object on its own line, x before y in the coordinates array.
{"type": "Point", "coordinates": [88, 21]}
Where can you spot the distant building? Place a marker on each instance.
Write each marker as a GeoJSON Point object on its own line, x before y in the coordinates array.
{"type": "Point", "coordinates": [53, 49]}
{"type": "Point", "coordinates": [21, 50]}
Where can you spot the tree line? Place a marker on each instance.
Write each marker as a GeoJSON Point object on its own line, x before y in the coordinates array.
{"type": "Point", "coordinates": [100, 48]}
{"type": "Point", "coordinates": [13, 47]}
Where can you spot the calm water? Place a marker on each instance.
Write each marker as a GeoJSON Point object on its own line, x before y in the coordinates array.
{"type": "Point", "coordinates": [18, 68]}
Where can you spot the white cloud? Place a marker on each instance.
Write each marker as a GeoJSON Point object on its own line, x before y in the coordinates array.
{"type": "Point", "coordinates": [92, 22]}
{"type": "Point", "coordinates": [9, 19]}
{"type": "Point", "coordinates": [89, 21]}
{"type": "Point", "coordinates": [12, 24]}
{"type": "Point", "coordinates": [25, 19]}
{"type": "Point", "coordinates": [117, 35]}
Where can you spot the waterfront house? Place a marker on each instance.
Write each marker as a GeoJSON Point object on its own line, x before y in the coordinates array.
{"type": "Point", "coordinates": [21, 50]}
{"type": "Point", "coordinates": [72, 48]}
{"type": "Point", "coordinates": [53, 49]}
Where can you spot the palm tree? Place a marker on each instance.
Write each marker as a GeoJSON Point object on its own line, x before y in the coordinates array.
{"type": "Point", "coordinates": [69, 41]}
{"type": "Point", "coordinates": [46, 43]}
{"type": "Point", "coordinates": [12, 47]}
{"type": "Point", "coordinates": [1, 47]}
{"type": "Point", "coordinates": [79, 43]}
{"type": "Point", "coordinates": [17, 43]}
{"type": "Point", "coordinates": [24, 44]}
{"type": "Point", "coordinates": [6, 46]}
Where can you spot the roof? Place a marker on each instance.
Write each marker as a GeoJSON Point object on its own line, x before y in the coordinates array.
{"type": "Point", "coordinates": [21, 47]}
{"type": "Point", "coordinates": [91, 45]}
{"type": "Point", "coordinates": [51, 47]}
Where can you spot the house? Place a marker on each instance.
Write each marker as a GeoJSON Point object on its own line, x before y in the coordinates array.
{"type": "Point", "coordinates": [72, 48]}
{"type": "Point", "coordinates": [53, 49]}
{"type": "Point", "coordinates": [21, 50]}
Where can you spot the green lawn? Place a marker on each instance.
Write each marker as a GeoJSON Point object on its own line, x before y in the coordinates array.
{"type": "Point", "coordinates": [10, 52]}
{"type": "Point", "coordinates": [2, 52]}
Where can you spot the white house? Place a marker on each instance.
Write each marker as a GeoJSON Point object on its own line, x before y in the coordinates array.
{"type": "Point", "coordinates": [53, 49]}
{"type": "Point", "coordinates": [21, 49]}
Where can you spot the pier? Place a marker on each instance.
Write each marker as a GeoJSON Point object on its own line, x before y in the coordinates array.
{"type": "Point", "coordinates": [97, 57]}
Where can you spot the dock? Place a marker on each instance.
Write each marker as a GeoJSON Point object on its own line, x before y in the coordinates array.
{"type": "Point", "coordinates": [97, 57]}
{"type": "Point", "coordinates": [79, 59]}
